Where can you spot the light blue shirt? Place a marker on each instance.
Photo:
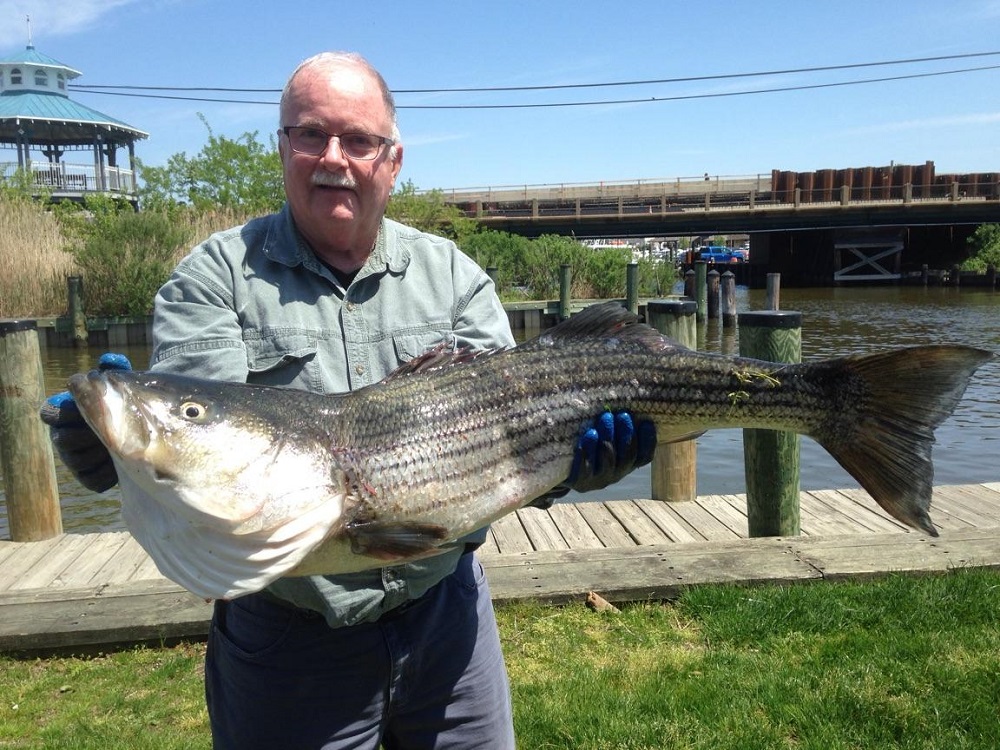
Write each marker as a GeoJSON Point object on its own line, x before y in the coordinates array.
{"type": "Point", "coordinates": [254, 304]}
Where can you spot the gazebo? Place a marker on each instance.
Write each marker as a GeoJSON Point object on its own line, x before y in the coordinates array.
{"type": "Point", "coordinates": [41, 124]}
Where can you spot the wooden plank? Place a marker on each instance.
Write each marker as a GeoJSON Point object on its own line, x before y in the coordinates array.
{"type": "Point", "coordinates": [116, 614]}
{"type": "Point", "coordinates": [950, 503]}
{"type": "Point", "coordinates": [489, 546]}
{"type": "Point", "coordinates": [708, 525]}
{"type": "Point", "coordinates": [608, 528]}
{"type": "Point", "coordinates": [737, 503]}
{"type": "Point", "coordinates": [121, 564]}
{"type": "Point", "coordinates": [982, 499]}
{"type": "Point", "coordinates": [102, 547]}
{"type": "Point", "coordinates": [6, 550]}
{"type": "Point", "coordinates": [541, 529]}
{"type": "Point", "coordinates": [147, 570]}
{"type": "Point", "coordinates": [510, 535]}
{"type": "Point", "coordinates": [861, 508]}
{"type": "Point", "coordinates": [969, 503]}
{"type": "Point", "coordinates": [664, 515]}
{"type": "Point", "coordinates": [861, 498]}
{"type": "Point", "coordinates": [818, 519]}
{"type": "Point", "coordinates": [726, 513]}
{"type": "Point", "coordinates": [637, 523]}
{"type": "Point", "coordinates": [879, 554]}
{"type": "Point", "coordinates": [49, 569]}
{"type": "Point", "coordinates": [641, 573]}
{"type": "Point", "coordinates": [574, 527]}
{"type": "Point", "coordinates": [25, 558]}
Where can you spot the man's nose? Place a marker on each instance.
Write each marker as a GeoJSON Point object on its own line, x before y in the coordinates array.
{"type": "Point", "coordinates": [334, 152]}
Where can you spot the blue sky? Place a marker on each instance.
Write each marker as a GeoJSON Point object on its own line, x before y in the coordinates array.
{"type": "Point", "coordinates": [952, 120]}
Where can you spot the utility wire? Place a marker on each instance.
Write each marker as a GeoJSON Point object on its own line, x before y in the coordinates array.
{"type": "Point", "coordinates": [650, 99]}
{"type": "Point", "coordinates": [555, 87]}
{"type": "Point", "coordinates": [685, 97]}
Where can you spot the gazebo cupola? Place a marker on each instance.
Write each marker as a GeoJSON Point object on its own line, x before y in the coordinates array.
{"type": "Point", "coordinates": [67, 148]}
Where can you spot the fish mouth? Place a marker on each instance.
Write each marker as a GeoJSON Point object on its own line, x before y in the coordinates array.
{"type": "Point", "coordinates": [121, 422]}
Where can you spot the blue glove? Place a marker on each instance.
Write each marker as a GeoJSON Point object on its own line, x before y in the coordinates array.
{"type": "Point", "coordinates": [77, 445]}
{"type": "Point", "coordinates": [609, 448]}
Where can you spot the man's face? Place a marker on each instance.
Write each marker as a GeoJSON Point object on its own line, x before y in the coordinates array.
{"type": "Point", "coordinates": [337, 202]}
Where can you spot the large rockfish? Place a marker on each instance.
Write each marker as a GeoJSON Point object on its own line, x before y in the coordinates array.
{"type": "Point", "coordinates": [230, 486]}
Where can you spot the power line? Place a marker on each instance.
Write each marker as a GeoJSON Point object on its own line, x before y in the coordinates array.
{"type": "Point", "coordinates": [556, 87]}
{"type": "Point", "coordinates": [601, 102]}
{"type": "Point", "coordinates": [685, 97]}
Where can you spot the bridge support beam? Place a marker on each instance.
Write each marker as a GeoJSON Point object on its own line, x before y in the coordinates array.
{"type": "Point", "coordinates": [827, 257]}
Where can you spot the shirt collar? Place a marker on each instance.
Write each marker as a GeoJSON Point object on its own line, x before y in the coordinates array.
{"type": "Point", "coordinates": [285, 244]}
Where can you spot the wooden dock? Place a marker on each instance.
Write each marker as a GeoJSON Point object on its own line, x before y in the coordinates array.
{"type": "Point", "coordinates": [85, 591]}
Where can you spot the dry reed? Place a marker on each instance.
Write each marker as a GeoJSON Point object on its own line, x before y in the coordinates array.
{"type": "Point", "coordinates": [34, 266]}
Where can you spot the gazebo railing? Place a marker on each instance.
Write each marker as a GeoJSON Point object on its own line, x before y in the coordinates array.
{"type": "Point", "coordinates": [64, 177]}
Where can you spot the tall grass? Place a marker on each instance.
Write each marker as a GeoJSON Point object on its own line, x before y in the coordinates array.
{"type": "Point", "coordinates": [33, 264]}
{"type": "Point", "coordinates": [35, 261]}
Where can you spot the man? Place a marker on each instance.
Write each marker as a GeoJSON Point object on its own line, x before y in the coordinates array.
{"type": "Point", "coordinates": [330, 296]}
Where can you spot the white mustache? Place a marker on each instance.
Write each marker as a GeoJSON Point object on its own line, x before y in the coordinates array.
{"type": "Point", "coordinates": [330, 179]}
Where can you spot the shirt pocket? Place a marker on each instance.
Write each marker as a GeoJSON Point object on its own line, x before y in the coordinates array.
{"type": "Point", "coordinates": [281, 358]}
{"type": "Point", "coordinates": [410, 345]}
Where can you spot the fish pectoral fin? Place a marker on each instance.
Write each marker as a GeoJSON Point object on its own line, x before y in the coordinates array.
{"type": "Point", "coordinates": [394, 540]}
{"type": "Point", "coordinates": [665, 436]}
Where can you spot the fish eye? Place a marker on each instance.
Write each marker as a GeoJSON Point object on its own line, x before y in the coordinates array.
{"type": "Point", "coordinates": [193, 411]}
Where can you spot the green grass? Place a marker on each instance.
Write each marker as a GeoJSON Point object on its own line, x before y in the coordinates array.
{"type": "Point", "coordinates": [902, 662]}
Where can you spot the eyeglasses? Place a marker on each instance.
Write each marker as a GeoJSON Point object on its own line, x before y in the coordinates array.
{"type": "Point", "coordinates": [313, 141]}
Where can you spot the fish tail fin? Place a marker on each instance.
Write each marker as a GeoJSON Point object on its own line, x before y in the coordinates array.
{"type": "Point", "coordinates": [904, 394]}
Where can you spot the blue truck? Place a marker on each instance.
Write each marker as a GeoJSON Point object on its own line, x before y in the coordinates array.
{"type": "Point", "coordinates": [721, 254]}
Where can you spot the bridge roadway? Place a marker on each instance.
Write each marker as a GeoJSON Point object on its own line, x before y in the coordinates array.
{"type": "Point", "coordinates": [686, 206]}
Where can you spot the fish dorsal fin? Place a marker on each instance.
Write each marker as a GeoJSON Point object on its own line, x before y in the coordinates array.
{"type": "Point", "coordinates": [605, 319]}
{"type": "Point", "coordinates": [601, 320]}
{"type": "Point", "coordinates": [437, 358]}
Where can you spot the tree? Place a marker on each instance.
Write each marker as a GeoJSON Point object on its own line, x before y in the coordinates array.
{"type": "Point", "coordinates": [984, 245]}
{"type": "Point", "coordinates": [428, 212]}
{"type": "Point", "coordinates": [242, 174]}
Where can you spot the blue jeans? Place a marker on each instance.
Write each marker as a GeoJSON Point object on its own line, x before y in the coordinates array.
{"type": "Point", "coordinates": [429, 676]}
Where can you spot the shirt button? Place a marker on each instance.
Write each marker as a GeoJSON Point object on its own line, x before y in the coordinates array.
{"type": "Point", "coordinates": [359, 370]}
{"type": "Point", "coordinates": [350, 307]}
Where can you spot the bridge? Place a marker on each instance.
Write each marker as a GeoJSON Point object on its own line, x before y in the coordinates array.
{"type": "Point", "coordinates": [874, 212]}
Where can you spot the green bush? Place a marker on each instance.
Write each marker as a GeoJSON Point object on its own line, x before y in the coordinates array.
{"type": "Point", "coordinates": [125, 256]}
{"type": "Point", "coordinates": [984, 244]}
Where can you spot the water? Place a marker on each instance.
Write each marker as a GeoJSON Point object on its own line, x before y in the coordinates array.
{"type": "Point", "coordinates": [835, 322]}
{"type": "Point", "coordinates": [839, 321]}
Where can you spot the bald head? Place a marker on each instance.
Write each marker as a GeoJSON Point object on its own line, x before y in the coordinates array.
{"type": "Point", "coordinates": [326, 62]}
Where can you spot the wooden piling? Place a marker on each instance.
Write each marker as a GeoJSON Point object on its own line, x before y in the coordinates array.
{"type": "Point", "coordinates": [29, 472]}
{"type": "Point", "coordinates": [728, 299]}
{"type": "Point", "coordinates": [712, 294]}
{"type": "Point", "coordinates": [632, 288]}
{"type": "Point", "coordinates": [674, 467]}
{"type": "Point", "coordinates": [565, 290]}
{"type": "Point", "coordinates": [771, 457]}
{"type": "Point", "coordinates": [773, 292]}
{"type": "Point", "coordinates": [701, 290]}
{"type": "Point", "coordinates": [74, 294]}
{"type": "Point", "coordinates": [689, 284]}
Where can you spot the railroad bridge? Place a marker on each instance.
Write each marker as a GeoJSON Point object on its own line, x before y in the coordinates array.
{"type": "Point", "coordinates": [815, 228]}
